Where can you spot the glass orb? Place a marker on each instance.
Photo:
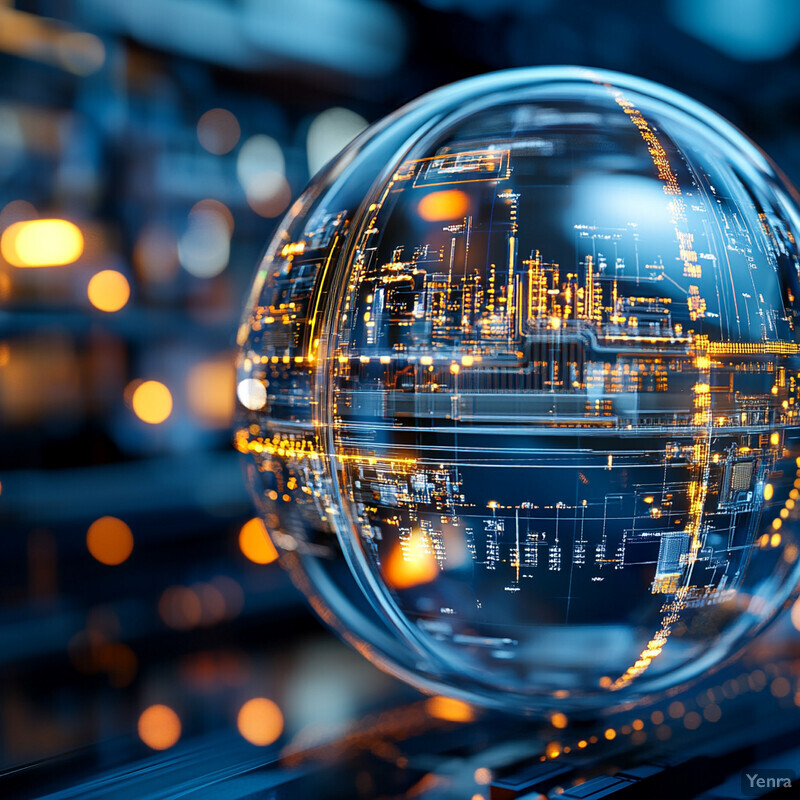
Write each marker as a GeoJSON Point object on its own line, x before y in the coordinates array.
{"type": "Point", "coordinates": [518, 385]}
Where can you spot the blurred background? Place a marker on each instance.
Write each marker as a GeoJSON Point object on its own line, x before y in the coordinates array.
{"type": "Point", "coordinates": [147, 151]}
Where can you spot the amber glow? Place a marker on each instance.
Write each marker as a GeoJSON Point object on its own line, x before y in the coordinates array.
{"type": "Point", "coordinates": [553, 750]}
{"type": "Point", "coordinates": [159, 727]}
{"type": "Point", "coordinates": [450, 709]}
{"type": "Point", "coordinates": [210, 390]}
{"type": "Point", "coordinates": [108, 290]}
{"type": "Point", "coordinates": [254, 542]}
{"type": "Point", "coordinates": [558, 720]}
{"type": "Point", "coordinates": [41, 243]}
{"type": "Point", "coordinates": [152, 402]}
{"type": "Point", "coordinates": [483, 776]}
{"type": "Point", "coordinates": [447, 204]}
{"type": "Point", "coordinates": [109, 540]}
{"type": "Point", "coordinates": [260, 721]}
{"type": "Point", "coordinates": [796, 614]}
{"type": "Point", "coordinates": [411, 564]}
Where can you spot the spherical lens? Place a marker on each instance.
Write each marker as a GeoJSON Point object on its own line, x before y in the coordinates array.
{"type": "Point", "coordinates": [526, 355]}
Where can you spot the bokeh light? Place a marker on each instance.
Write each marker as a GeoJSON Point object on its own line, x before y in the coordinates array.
{"type": "Point", "coordinates": [255, 543]}
{"type": "Point", "coordinates": [109, 540]}
{"type": "Point", "coordinates": [260, 721]}
{"type": "Point", "coordinates": [252, 393]}
{"type": "Point", "coordinates": [796, 614]}
{"type": "Point", "coordinates": [329, 133]}
{"type": "Point", "coordinates": [209, 389]}
{"type": "Point", "coordinates": [155, 254]}
{"type": "Point", "coordinates": [218, 131]}
{"type": "Point", "coordinates": [205, 247]}
{"type": "Point", "coordinates": [108, 290]}
{"type": "Point", "coordinates": [444, 205]}
{"type": "Point", "coordinates": [411, 564]}
{"type": "Point", "coordinates": [450, 709]}
{"type": "Point", "coordinates": [261, 169]}
{"type": "Point", "coordinates": [159, 727]}
{"type": "Point", "coordinates": [42, 243]}
{"type": "Point", "coordinates": [152, 402]}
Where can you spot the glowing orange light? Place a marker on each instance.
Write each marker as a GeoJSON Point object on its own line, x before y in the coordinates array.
{"type": "Point", "coordinates": [768, 491]}
{"type": "Point", "coordinates": [676, 709]}
{"type": "Point", "coordinates": [447, 204]}
{"type": "Point", "coordinates": [108, 290]}
{"type": "Point", "coordinates": [159, 727]}
{"type": "Point", "coordinates": [152, 402]}
{"type": "Point", "coordinates": [450, 709]}
{"type": "Point", "coordinates": [412, 564]}
{"type": "Point", "coordinates": [553, 750]}
{"type": "Point", "coordinates": [255, 543]}
{"type": "Point", "coordinates": [558, 720]}
{"type": "Point", "coordinates": [41, 243]}
{"type": "Point", "coordinates": [610, 734]}
{"type": "Point", "coordinates": [260, 721]}
{"type": "Point", "coordinates": [109, 540]}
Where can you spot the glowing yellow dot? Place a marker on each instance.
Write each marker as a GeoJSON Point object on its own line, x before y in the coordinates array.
{"type": "Point", "coordinates": [255, 543]}
{"type": "Point", "coordinates": [776, 523]}
{"type": "Point", "coordinates": [582, 743]}
{"type": "Point", "coordinates": [455, 369]}
{"type": "Point", "coordinates": [467, 361]}
{"type": "Point", "coordinates": [108, 290]}
{"type": "Point", "coordinates": [159, 727]}
{"type": "Point", "coordinates": [260, 721]}
{"type": "Point", "coordinates": [610, 734]}
{"type": "Point", "coordinates": [41, 243]}
{"type": "Point", "coordinates": [553, 750]}
{"type": "Point", "coordinates": [109, 540]}
{"type": "Point", "coordinates": [152, 402]}
{"type": "Point", "coordinates": [774, 438]}
{"type": "Point", "coordinates": [768, 491]}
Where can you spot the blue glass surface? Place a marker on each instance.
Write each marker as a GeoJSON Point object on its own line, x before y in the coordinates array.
{"type": "Point", "coordinates": [518, 386]}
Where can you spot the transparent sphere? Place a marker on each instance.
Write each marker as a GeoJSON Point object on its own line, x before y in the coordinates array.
{"type": "Point", "coordinates": [518, 387]}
